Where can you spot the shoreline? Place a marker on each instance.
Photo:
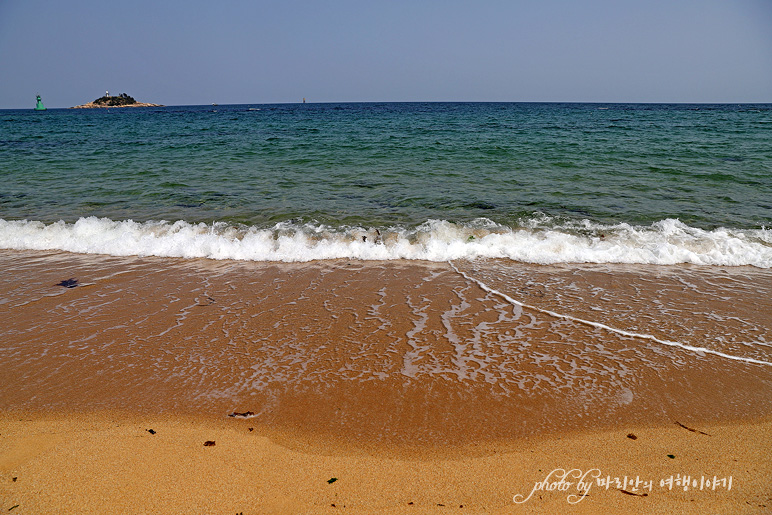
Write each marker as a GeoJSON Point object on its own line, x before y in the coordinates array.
{"type": "Point", "coordinates": [406, 382]}
{"type": "Point", "coordinates": [415, 352]}
{"type": "Point", "coordinates": [109, 461]}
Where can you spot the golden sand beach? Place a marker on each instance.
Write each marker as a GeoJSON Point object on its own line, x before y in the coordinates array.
{"type": "Point", "coordinates": [381, 387]}
{"type": "Point", "coordinates": [108, 462]}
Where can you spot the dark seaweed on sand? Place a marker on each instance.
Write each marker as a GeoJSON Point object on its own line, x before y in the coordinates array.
{"type": "Point", "coordinates": [633, 493]}
{"type": "Point", "coordinates": [691, 429]}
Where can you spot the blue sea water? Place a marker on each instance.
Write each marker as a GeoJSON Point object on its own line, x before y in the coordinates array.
{"type": "Point", "coordinates": [544, 183]}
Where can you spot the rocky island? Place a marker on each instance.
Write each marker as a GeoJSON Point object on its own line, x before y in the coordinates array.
{"type": "Point", "coordinates": [122, 100]}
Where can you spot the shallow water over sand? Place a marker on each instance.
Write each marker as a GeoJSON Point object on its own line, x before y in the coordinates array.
{"type": "Point", "coordinates": [406, 352]}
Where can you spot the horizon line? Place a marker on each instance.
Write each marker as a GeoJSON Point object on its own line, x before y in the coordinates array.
{"type": "Point", "coordinates": [427, 102]}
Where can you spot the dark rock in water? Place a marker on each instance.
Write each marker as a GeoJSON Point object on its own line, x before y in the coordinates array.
{"type": "Point", "coordinates": [121, 100]}
{"type": "Point", "coordinates": [69, 283]}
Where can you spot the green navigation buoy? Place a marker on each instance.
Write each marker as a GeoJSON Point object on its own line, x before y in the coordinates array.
{"type": "Point", "coordinates": [40, 106]}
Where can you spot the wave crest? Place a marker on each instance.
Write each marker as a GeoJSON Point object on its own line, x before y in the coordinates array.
{"type": "Point", "coordinates": [539, 240]}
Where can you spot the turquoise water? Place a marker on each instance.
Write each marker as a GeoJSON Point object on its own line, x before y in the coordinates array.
{"type": "Point", "coordinates": [574, 168]}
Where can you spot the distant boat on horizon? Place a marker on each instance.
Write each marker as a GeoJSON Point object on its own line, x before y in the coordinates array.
{"type": "Point", "coordinates": [39, 106]}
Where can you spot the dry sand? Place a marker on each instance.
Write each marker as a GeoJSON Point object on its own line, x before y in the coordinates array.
{"type": "Point", "coordinates": [107, 462]}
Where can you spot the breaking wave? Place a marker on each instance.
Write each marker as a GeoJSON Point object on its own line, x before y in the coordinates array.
{"type": "Point", "coordinates": [540, 240]}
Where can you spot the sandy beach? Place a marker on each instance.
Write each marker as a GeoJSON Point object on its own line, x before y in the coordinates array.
{"type": "Point", "coordinates": [109, 462]}
{"type": "Point", "coordinates": [380, 387]}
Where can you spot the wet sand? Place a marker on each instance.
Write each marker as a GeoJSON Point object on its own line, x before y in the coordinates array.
{"type": "Point", "coordinates": [401, 374]}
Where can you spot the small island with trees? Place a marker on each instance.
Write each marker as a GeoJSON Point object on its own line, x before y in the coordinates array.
{"type": "Point", "coordinates": [122, 100]}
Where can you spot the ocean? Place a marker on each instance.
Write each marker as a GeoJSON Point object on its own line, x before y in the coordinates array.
{"type": "Point", "coordinates": [538, 183]}
{"type": "Point", "coordinates": [436, 271]}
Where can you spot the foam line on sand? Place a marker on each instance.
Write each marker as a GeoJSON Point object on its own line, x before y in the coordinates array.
{"type": "Point", "coordinates": [622, 332]}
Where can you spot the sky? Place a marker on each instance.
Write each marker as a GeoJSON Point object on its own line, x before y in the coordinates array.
{"type": "Point", "coordinates": [274, 51]}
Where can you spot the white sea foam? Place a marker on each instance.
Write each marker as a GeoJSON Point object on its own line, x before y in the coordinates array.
{"type": "Point", "coordinates": [669, 343]}
{"type": "Point", "coordinates": [538, 241]}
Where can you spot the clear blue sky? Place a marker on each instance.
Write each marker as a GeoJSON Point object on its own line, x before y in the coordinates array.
{"type": "Point", "coordinates": [200, 52]}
